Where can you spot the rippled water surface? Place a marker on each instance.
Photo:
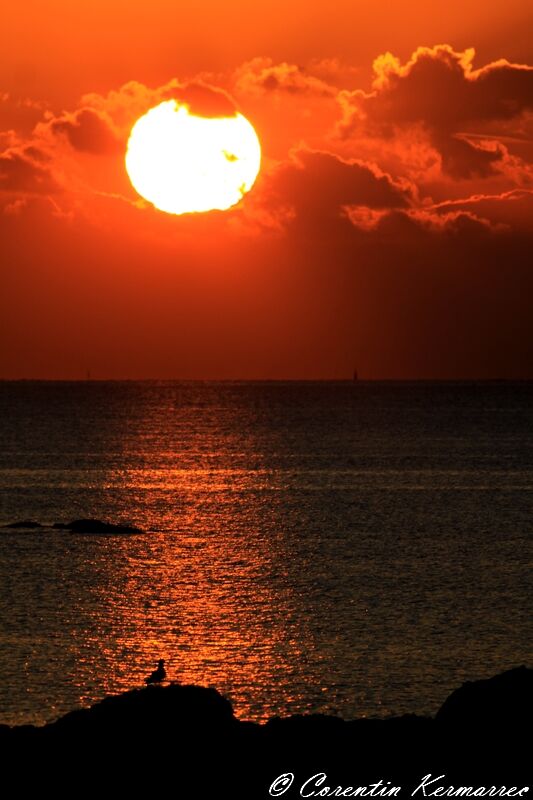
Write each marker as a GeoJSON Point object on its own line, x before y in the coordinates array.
{"type": "Point", "coordinates": [357, 549]}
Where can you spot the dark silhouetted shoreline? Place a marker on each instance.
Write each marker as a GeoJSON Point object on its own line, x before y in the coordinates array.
{"type": "Point", "coordinates": [186, 740]}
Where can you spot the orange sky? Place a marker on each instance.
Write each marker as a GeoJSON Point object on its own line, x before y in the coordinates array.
{"type": "Point", "coordinates": [390, 226]}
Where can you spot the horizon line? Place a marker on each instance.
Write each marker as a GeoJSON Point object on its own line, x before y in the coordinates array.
{"type": "Point", "coordinates": [471, 379]}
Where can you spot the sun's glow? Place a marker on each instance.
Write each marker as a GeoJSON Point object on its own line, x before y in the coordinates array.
{"type": "Point", "coordinates": [181, 162]}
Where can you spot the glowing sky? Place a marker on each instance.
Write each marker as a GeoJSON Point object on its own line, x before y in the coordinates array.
{"type": "Point", "coordinates": [390, 227]}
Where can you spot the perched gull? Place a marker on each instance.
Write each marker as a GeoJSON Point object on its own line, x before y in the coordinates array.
{"type": "Point", "coordinates": [158, 674]}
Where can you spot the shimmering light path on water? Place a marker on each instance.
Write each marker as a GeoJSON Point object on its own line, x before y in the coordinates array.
{"type": "Point", "coordinates": [357, 549]}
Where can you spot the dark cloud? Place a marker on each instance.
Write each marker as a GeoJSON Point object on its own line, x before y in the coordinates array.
{"type": "Point", "coordinates": [509, 211]}
{"type": "Point", "coordinates": [439, 89]}
{"type": "Point", "coordinates": [422, 225]}
{"type": "Point", "coordinates": [20, 173]}
{"type": "Point", "coordinates": [87, 131]}
{"type": "Point", "coordinates": [323, 198]}
{"type": "Point", "coordinates": [126, 104]}
{"type": "Point", "coordinates": [464, 159]}
{"type": "Point", "coordinates": [316, 187]}
{"type": "Point", "coordinates": [262, 75]}
{"type": "Point", "coordinates": [203, 100]}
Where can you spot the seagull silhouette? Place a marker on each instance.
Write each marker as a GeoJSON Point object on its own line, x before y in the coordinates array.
{"type": "Point", "coordinates": [158, 674]}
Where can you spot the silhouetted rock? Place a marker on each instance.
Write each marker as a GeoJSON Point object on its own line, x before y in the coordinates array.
{"type": "Point", "coordinates": [499, 702]}
{"type": "Point", "coordinates": [95, 526]}
{"type": "Point", "coordinates": [28, 524]}
{"type": "Point", "coordinates": [187, 737]}
{"type": "Point", "coordinates": [134, 714]}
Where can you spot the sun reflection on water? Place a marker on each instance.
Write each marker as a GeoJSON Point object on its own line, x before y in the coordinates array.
{"type": "Point", "coordinates": [308, 548]}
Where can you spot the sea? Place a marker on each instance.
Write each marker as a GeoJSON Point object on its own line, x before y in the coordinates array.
{"type": "Point", "coordinates": [349, 548]}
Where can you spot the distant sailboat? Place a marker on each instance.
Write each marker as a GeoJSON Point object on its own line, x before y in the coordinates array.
{"type": "Point", "coordinates": [355, 376]}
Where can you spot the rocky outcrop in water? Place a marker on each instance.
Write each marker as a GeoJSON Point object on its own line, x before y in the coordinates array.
{"type": "Point", "coordinates": [95, 526]}
{"type": "Point", "coordinates": [77, 526]}
{"type": "Point", "coordinates": [25, 524]}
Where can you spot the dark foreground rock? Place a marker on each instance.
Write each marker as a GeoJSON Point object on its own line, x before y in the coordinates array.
{"type": "Point", "coordinates": [95, 526]}
{"type": "Point", "coordinates": [497, 703]}
{"type": "Point", "coordinates": [186, 741]}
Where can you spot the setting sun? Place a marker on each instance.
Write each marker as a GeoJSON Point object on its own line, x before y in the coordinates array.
{"type": "Point", "coordinates": [182, 163]}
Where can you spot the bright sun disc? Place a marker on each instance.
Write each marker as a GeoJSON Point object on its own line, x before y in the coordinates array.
{"type": "Point", "coordinates": [181, 162]}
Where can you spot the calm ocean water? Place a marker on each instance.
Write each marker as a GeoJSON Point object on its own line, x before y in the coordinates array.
{"type": "Point", "coordinates": [357, 549]}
